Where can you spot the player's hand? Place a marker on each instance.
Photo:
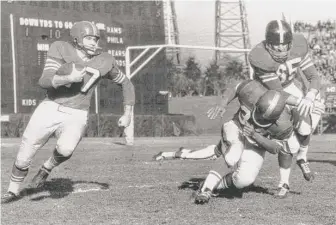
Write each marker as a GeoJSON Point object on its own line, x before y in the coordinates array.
{"type": "Point", "coordinates": [248, 130]}
{"type": "Point", "coordinates": [213, 112]}
{"type": "Point", "coordinates": [306, 105]}
{"type": "Point", "coordinates": [76, 75]}
{"type": "Point", "coordinates": [125, 120]}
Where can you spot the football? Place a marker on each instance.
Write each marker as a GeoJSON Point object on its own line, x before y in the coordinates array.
{"type": "Point", "coordinates": [67, 68]}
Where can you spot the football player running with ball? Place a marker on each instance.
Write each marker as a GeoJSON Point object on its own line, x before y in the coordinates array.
{"type": "Point", "coordinates": [71, 73]}
{"type": "Point", "coordinates": [276, 62]}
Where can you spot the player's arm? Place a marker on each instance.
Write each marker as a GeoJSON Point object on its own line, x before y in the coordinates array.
{"type": "Point", "coordinates": [54, 61]}
{"type": "Point", "coordinates": [227, 97]}
{"type": "Point", "coordinates": [269, 145]}
{"type": "Point", "coordinates": [117, 76]}
{"type": "Point", "coordinates": [308, 69]}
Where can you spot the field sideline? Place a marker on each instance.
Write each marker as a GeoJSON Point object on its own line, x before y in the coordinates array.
{"type": "Point", "coordinates": [106, 182]}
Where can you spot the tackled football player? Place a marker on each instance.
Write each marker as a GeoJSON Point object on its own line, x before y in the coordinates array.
{"type": "Point", "coordinates": [71, 73]}
{"type": "Point", "coordinates": [263, 123]}
{"type": "Point", "coordinates": [276, 62]}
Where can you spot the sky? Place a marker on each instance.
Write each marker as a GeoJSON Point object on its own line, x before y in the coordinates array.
{"type": "Point", "coordinates": [196, 19]}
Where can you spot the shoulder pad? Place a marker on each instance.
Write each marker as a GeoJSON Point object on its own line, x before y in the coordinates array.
{"type": "Point", "coordinates": [60, 49]}
{"type": "Point", "coordinates": [54, 50]}
{"type": "Point", "coordinates": [260, 58]}
{"type": "Point", "coordinates": [300, 46]}
{"type": "Point", "coordinates": [103, 62]}
{"type": "Point", "coordinates": [241, 85]}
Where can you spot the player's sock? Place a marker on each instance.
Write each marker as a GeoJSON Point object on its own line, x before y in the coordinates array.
{"type": "Point", "coordinates": [55, 160]}
{"type": "Point", "coordinates": [284, 176]}
{"type": "Point", "coordinates": [211, 181]}
{"type": "Point", "coordinates": [17, 177]}
{"type": "Point", "coordinates": [302, 154]}
{"type": "Point", "coordinates": [226, 182]}
{"type": "Point", "coordinates": [285, 162]}
{"type": "Point", "coordinates": [168, 155]}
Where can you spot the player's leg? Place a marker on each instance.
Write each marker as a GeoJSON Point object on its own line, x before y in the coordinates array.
{"type": "Point", "coordinates": [231, 138]}
{"type": "Point", "coordinates": [70, 133]}
{"type": "Point", "coordinates": [129, 131]}
{"type": "Point", "coordinates": [248, 168]}
{"type": "Point", "coordinates": [304, 127]}
{"type": "Point", "coordinates": [41, 125]}
{"type": "Point", "coordinates": [232, 143]}
{"type": "Point", "coordinates": [285, 162]}
{"type": "Point", "coordinates": [285, 158]}
{"type": "Point", "coordinates": [231, 147]}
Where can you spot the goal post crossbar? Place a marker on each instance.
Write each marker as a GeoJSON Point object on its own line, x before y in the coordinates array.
{"type": "Point", "coordinates": [129, 131]}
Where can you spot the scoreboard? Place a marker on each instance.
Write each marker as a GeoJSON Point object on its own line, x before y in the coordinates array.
{"type": "Point", "coordinates": [29, 27]}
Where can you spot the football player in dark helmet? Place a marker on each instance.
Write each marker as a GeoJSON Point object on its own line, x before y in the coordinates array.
{"type": "Point", "coordinates": [279, 40]}
{"type": "Point", "coordinates": [276, 62]}
{"type": "Point", "coordinates": [266, 126]}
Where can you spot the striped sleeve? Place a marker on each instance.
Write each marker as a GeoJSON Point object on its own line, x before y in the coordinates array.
{"type": "Point", "coordinates": [308, 68]}
{"type": "Point", "coordinates": [116, 75]}
{"type": "Point", "coordinates": [53, 63]}
{"type": "Point", "coordinates": [306, 62]}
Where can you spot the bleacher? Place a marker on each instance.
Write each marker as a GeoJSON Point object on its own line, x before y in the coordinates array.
{"type": "Point", "coordinates": [322, 43]}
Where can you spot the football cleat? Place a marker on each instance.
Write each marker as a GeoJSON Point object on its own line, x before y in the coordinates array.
{"type": "Point", "coordinates": [40, 178]}
{"type": "Point", "coordinates": [304, 166]}
{"type": "Point", "coordinates": [203, 197]}
{"type": "Point", "coordinates": [283, 191]}
{"type": "Point", "coordinates": [9, 197]}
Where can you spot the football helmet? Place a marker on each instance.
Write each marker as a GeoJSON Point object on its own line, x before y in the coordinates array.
{"type": "Point", "coordinates": [82, 29]}
{"type": "Point", "coordinates": [268, 108]}
{"type": "Point", "coordinates": [279, 38]}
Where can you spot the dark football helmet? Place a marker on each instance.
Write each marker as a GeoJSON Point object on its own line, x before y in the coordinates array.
{"type": "Point", "coordinates": [82, 29]}
{"type": "Point", "coordinates": [279, 38]}
{"type": "Point", "coordinates": [268, 108]}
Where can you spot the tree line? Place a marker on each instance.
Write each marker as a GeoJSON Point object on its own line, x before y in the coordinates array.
{"type": "Point", "coordinates": [189, 80]}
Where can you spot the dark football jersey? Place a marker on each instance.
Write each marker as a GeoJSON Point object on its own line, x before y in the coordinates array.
{"type": "Point", "coordinates": [277, 75]}
{"type": "Point", "coordinates": [248, 93]}
{"type": "Point", "coordinates": [61, 52]}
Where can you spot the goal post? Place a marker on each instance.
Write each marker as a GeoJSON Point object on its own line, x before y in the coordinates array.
{"type": "Point", "coordinates": [130, 63]}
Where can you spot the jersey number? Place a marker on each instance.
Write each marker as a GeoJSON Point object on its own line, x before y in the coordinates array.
{"type": "Point", "coordinates": [244, 114]}
{"type": "Point", "coordinates": [95, 75]}
{"type": "Point", "coordinates": [286, 71]}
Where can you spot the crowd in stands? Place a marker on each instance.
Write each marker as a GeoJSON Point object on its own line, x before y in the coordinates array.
{"type": "Point", "coordinates": [322, 41]}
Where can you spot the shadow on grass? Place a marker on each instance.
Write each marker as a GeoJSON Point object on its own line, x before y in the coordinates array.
{"type": "Point", "coordinates": [230, 193]}
{"type": "Point", "coordinates": [332, 162]}
{"type": "Point", "coordinates": [119, 143]}
{"type": "Point", "coordinates": [59, 188]}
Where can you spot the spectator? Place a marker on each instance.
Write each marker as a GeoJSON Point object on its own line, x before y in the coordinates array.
{"type": "Point", "coordinates": [322, 41]}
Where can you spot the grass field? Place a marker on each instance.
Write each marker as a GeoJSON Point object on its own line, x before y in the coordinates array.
{"type": "Point", "coordinates": [198, 106]}
{"type": "Point", "coordinates": [106, 182]}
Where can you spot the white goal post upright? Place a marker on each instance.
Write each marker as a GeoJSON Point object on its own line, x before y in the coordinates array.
{"type": "Point", "coordinates": [129, 131]}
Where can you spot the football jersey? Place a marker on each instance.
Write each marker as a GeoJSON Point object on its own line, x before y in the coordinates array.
{"type": "Point", "coordinates": [277, 75]}
{"type": "Point", "coordinates": [248, 93]}
{"type": "Point", "coordinates": [61, 52]}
